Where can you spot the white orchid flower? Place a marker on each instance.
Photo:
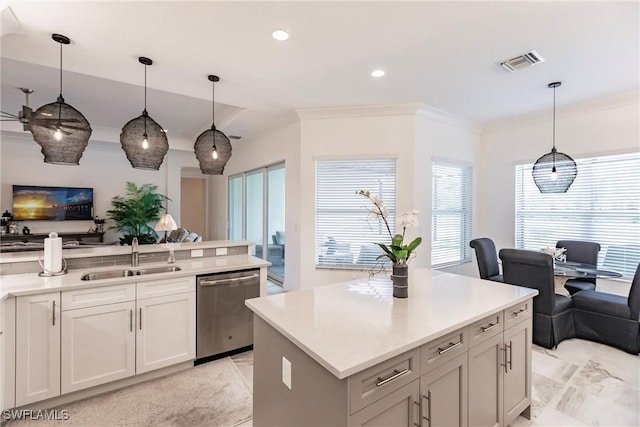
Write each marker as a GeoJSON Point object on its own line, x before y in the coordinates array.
{"type": "Point", "coordinates": [409, 219]}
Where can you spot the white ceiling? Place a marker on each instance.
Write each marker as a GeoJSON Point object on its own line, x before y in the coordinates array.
{"type": "Point", "coordinates": [442, 54]}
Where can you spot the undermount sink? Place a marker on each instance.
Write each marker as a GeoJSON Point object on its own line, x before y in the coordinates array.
{"type": "Point", "coordinates": [111, 274]}
{"type": "Point", "coordinates": [154, 270]}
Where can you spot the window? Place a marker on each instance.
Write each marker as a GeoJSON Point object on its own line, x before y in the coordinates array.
{"type": "Point", "coordinates": [602, 205]}
{"type": "Point", "coordinates": [451, 214]}
{"type": "Point", "coordinates": [344, 232]}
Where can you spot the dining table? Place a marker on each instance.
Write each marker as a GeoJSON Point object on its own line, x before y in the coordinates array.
{"type": "Point", "coordinates": [565, 270]}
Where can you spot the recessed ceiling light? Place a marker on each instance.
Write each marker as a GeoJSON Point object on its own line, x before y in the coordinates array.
{"type": "Point", "coordinates": [280, 35]}
{"type": "Point", "coordinates": [377, 73]}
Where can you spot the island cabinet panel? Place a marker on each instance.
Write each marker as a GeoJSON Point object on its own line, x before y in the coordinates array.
{"type": "Point", "coordinates": [98, 345]}
{"type": "Point", "coordinates": [400, 408]}
{"type": "Point", "coordinates": [37, 347]}
{"type": "Point", "coordinates": [517, 377]}
{"type": "Point", "coordinates": [486, 367]}
{"type": "Point", "coordinates": [444, 393]}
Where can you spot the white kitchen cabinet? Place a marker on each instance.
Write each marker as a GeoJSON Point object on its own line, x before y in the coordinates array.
{"type": "Point", "coordinates": [37, 347]}
{"type": "Point", "coordinates": [517, 377]}
{"type": "Point", "coordinates": [165, 331]}
{"type": "Point", "coordinates": [98, 345]}
{"type": "Point", "coordinates": [486, 383]}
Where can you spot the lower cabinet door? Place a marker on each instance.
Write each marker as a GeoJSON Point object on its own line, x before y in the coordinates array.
{"type": "Point", "coordinates": [517, 377]}
{"type": "Point", "coordinates": [37, 347]}
{"type": "Point", "coordinates": [166, 331]}
{"type": "Point", "coordinates": [443, 394]}
{"type": "Point", "coordinates": [98, 345]}
{"type": "Point", "coordinates": [400, 408]}
{"type": "Point", "coordinates": [486, 368]}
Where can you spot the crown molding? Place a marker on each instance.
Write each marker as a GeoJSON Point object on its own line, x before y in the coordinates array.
{"type": "Point", "coordinates": [432, 113]}
{"type": "Point", "coordinates": [591, 106]}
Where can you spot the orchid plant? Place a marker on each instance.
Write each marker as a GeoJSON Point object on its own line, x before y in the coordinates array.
{"type": "Point", "coordinates": [397, 252]}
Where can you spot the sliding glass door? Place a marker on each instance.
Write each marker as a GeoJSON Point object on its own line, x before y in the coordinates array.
{"type": "Point", "coordinates": [256, 213]}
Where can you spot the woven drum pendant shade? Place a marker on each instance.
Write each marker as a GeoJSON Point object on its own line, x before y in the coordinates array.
{"type": "Point", "coordinates": [141, 155]}
{"type": "Point", "coordinates": [61, 130]}
{"type": "Point", "coordinates": [75, 133]}
{"type": "Point", "coordinates": [204, 149]}
{"type": "Point", "coordinates": [212, 140]}
{"type": "Point", "coordinates": [131, 140]}
{"type": "Point", "coordinates": [554, 172]}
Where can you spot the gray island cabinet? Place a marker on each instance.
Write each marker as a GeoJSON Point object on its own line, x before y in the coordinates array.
{"type": "Point", "coordinates": [457, 352]}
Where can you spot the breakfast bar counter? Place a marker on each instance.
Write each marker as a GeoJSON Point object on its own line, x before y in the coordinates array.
{"type": "Point", "coordinates": [351, 354]}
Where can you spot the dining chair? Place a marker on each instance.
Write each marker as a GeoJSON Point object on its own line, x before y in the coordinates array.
{"type": "Point", "coordinates": [584, 253]}
{"type": "Point", "coordinates": [610, 319]}
{"type": "Point", "coordinates": [487, 259]}
{"type": "Point", "coordinates": [552, 313]}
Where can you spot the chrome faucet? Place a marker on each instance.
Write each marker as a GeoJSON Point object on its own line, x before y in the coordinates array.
{"type": "Point", "coordinates": [134, 252]}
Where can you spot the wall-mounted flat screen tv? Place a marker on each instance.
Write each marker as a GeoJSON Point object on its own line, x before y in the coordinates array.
{"type": "Point", "coordinates": [52, 203]}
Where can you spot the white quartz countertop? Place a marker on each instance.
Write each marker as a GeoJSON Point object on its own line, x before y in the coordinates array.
{"type": "Point", "coordinates": [351, 326]}
{"type": "Point", "coordinates": [107, 250]}
{"type": "Point", "coordinates": [29, 284]}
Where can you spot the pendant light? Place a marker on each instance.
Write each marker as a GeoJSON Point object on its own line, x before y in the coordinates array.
{"type": "Point", "coordinates": [554, 172]}
{"type": "Point", "coordinates": [61, 130]}
{"type": "Point", "coordinates": [143, 139]}
{"type": "Point", "coordinates": [213, 148]}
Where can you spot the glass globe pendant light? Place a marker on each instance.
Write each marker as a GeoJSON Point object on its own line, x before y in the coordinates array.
{"type": "Point", "coordinates": [212, 147]}
{"type": "Point", "coordinates": [61, 130]}
{"type": "Point", "coordinates": [143, 140]}
{"type": "Point", "coordinates": [554, 172]}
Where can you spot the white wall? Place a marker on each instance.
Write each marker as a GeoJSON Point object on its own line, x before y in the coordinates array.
{"type": "Point", "coordinates": [103, 166]}
{"type": "Point", "coordinates": [612, 126]}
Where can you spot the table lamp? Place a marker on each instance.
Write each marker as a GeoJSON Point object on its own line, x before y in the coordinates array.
{"type": "Point", "coordinates": [167, 223]}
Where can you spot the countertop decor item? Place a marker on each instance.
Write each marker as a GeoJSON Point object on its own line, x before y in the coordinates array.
{"type": "Point", "coordinates": [212, 147]}
{"type": "Point", "coordinates": [99, 222]}
{"type": "Point", "coordinates": [554, 172]}
{"type": "Point", "coordinates": [61, 130]}
{"type": "Point", "coordinates": [143, 140]}
{"type": "Point", "coordinates": [167, 223]}
{"type": "Point", "coordinates": [134, 212]}
{"type": "Point", "coordinates": [397, 251]}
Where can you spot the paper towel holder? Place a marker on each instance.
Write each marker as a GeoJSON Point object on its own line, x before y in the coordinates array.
{"type": "Point", "coordinates": [47, 273]}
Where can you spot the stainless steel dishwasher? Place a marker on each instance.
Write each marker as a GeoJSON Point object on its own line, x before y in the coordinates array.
{"type": "Point", "coordinates": [224, 323]}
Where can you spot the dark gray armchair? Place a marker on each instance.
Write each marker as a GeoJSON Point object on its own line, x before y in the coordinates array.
{"type": "Point", "coordinates": [487, 259]}
{"type": "Point", "coordinates": [582, 252]}
{"type": "Point", "coordinates": [552, 313]}
{"type": "Point", "coordinates": [610, 319]}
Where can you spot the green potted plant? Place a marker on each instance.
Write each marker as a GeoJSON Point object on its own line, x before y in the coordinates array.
{"type": "Point", "coordinates": [134, 212]}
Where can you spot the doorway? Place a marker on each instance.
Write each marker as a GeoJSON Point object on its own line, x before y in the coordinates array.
{"type": "Point", "coordinates": [257, 213]}
{"type": "Point", "coordinates": [193, 205]}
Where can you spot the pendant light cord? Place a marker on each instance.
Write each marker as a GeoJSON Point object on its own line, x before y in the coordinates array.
{"type": "Point", "coordinates": [145, 100]}
{"type": "Point", "coordinates": [213, 105]}
{"type": "Point", "coordinates": [60, 99]}
{"type": "Point", "coordinates": [554, 128]}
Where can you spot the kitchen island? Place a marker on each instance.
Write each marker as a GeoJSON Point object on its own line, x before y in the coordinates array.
{"type": "Point", "coordinates": [456, 352]}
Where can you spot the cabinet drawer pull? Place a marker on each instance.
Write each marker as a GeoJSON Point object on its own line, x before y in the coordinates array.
{"type": "Point", "coordinates": [490, 327]}
{"type": "Point", "coordinates": [131, 320]}
{"type": "Point", "coordinates": [391, 377]}
{"type": "Point", "coordinates": [140, 318]}
{"type": "Point", "coordinates": [54, 312]}
{"type": "Point", "coordinates": [520, 312]}
{"type": "Point", "coordinates": [419, 413]}
{"type": "Point", "coordinates": [510, 355]}
{"type": "Point", "coordinates": [450, 347]}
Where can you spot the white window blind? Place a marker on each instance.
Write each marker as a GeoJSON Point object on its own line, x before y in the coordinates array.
{"type": "Point", "coordinates": [344, 231]}
{"type": "Point", "coordinates": [451, 213]}
{"type": "Point", "coordinates": [602, 205]}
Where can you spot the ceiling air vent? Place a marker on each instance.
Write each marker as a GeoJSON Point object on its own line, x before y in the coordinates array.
{"type": "Point", "coordinates": [523, 61]}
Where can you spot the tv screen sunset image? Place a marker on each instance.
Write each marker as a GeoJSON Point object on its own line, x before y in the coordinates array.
{"type": "Point", "coordinates": [52, 203]}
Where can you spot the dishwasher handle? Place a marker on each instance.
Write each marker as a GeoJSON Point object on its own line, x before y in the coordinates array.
{"type": "Point", "coordinates": [232, 280]}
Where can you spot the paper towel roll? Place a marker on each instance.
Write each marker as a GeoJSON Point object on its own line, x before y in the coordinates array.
{"type": "Point", "coordinates": [53, 253]}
